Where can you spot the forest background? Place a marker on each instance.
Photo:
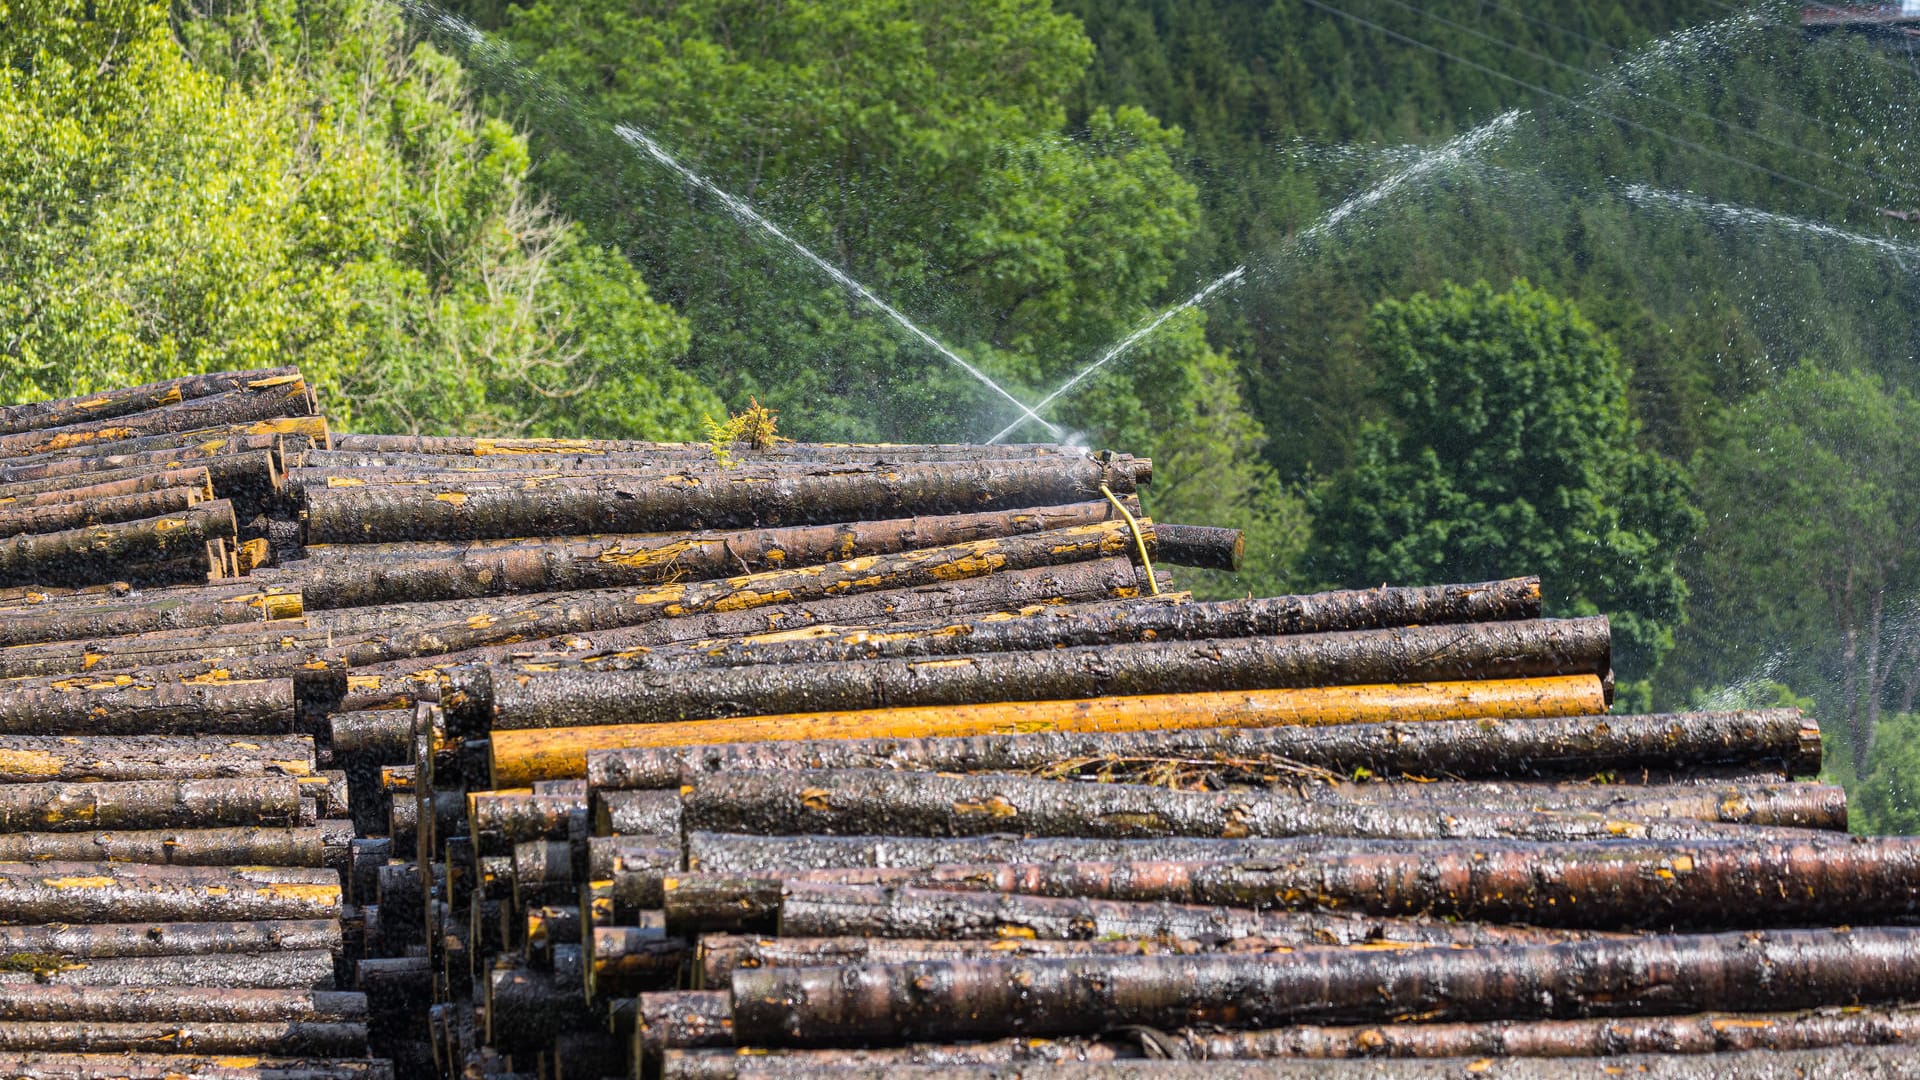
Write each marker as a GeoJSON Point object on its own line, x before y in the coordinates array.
{"type": "Point", "coordinates": [1645, 330]}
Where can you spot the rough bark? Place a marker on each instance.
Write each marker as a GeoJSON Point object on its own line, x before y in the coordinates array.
{"type": "Point", "coordinates": [153, 1066]}
{"type": "Point", "coordinates": [84, 490]}
{"type": "Point", "coordinates": [148, 804]}
{"type": "Point", "coordinates": [297, 1038]}
{"type": "Point", "coordinates": [869, 801]}
{"type": "Point", "coordinates": [521, 756]}
{"type": "Point", "coordinates": [26, 759]}
{"type": "Point", "coordinates": [216, 647]}
{"type": "Point", "coordinates": [133, 940]}
{"type": "Point", "coordinates": [1014, 590]}
{"type": "Point", "coordinates": [576, 697]}
{"type": "Point", "coordinates": [377, 736]}
{"type": "Point", "coordinates": [224, 459]}
{"type": "Point", "coordinates": [630, 813]}
{"type": "Point", "coordinates": [248, 846]}
{"type": "Point", "coordinates": [1780, 740]}
{"type": "Point", "coordinates": [285, 970]}
{"type": "Point", "coordinates": [27, 1002]}
{"type": "Point", "coordinates": [630, 959]}
{"type": "Point", "coordinates": [223, 410]}
{"type": "Point", "coordinates": [195, 440]}
{"type": "Point", "coordinates": [156, 550]}
{"type": "Point", "coordinates": [889, 1004]}
{"type": "Point", "coordinates": [135, 704]}
{"type": "Point", "coordinates": [739, 498]}
{"type": "Point", "coordinates": [147, 612]}
{"type": "Point", "coordinates": [103, 510]}
{"type": "Point", "coordinates": [362, 574]}
{"type": "Point", "coordinates": [498, 820]}
{"type": "Point", "coordinates": [84, 892]}
{"type": "Point", "coordinates": [543, 873]}
{"type": "Point", "coordinates": [106, 404]}
{"type": "Point", "coordinates": [683, 1019]}
{"type": "Point", "coordinates": [716, 955]}
{"type": "Point", "coordinates": [636, 865]}
{"type": "Point", "coordinates": [1204, 546]}
{"type": "Point", "coordinates": [516, 449]}
{"type": "Point", "coordinates": [526, 1008]}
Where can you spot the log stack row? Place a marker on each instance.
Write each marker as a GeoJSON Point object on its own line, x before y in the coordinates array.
{"type": "Point", "coordinates": [859, 760]}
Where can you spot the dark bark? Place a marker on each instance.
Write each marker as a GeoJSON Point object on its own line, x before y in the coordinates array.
{"type": "Point", "coordinates": [156, 550]}
{"type": "Point", "coordinates": [26, 759]}
{"type": "Point", "coordinates": [133, 940]}
{"type": "Point", "coordinates": [227, 409]}
{"type": "Point", "coordinates": [883, 802]}
{"type": "Point", "coordinates": [629, 959]}
{"type": "Point", "coordinates": [1203, 546]}
{"type": "Point", "coordinates": [27, 1002]}
{"type": "Point", "coordinates": [191, 441]}
{"type": "Point", "coordinates": [543, 873]}
{"type": "Point", "coordinates": [324, 1040]}
{"type": "Point", "coordinates": [739, 498]}
{"type": "Point", "coordinates": [716, 955]}
{"type": "Point", "coordinates": [889, 1004]}
{"type": "Point", "coordinates": [83, 892]}
{"type": "Point", "coordinates": [636, 865]}
{"type": "Point", "coordinates": [630, 813]}
{"type": "Point", "coordinates": [104, 510]}
{"type": "Point", "coordinates": [376, 736]}
{"type": "Point", "coordinates": [577, 697]}
{"type": "Point", "coordinates": [85, 490]}
{"type": "Point", "coordinates": [284, 970]}
{"type": "Point", "coordinates": [247, 846]}
{"type": "Point", "coordinates": [684, 1019]}
{"type": "Point", "coordinates": [134, 704]}
{"type": "Point", "coordinates": [362, 574]}
{"type": "Point", "coordinates": [393, 681]}
{"type": "Point", "coordinates": [148, 804]}
{"type": "Point", "coordinates": [526, 1009]}
{"type": "Point", "coordinates": [499, 820]}
{"type": "Point", "coordinates": [520, 449]}
{"type": "Point", "coordinates": [106, 404]}
{"type": "Point", "coordinates": [155, 1066]}
{"type": "Point", "coordinates": [224, 460]}
{"type": "Point", "coordinates": [146, 612]}
{"type": "Point", "coordinates": [223, 647]}
{"type": "Point", "coordinates": [1778, 739]}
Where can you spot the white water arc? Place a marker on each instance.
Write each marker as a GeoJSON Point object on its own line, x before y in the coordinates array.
{"type": "Point", "coordinates": [748, 215]}
{"type": "Point", "coordinates": [1748, 217]}
{"type": "Point", "coordinates": [1231, 277]}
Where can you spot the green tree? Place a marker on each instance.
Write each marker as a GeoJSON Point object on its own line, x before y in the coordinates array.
{"type": "Point", "coordinates": [1812, 495]}
{"type": "Point", "coordinates": [1510, 449]}
{"type": "Point", "coordinates": [265, 183]}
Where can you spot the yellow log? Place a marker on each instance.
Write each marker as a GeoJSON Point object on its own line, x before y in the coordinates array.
{"type": "Point", "coordinates": [522, 757]}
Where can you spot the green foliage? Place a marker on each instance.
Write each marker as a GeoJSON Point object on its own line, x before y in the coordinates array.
{"type": "Point", "coordinates": [1887, 800]}
{"type": "Point", "coordinates": [1511, 446]}
{"type": "Point", "coordinates": [248, 187]}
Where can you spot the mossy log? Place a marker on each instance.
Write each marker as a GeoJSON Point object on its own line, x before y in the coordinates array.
{"type": "Point", "coordinates": [1777, 740]}
{"type": "Point", "coordinates": [891, 1004]}
{"type": "Point", "coordinates": [522, 756]}
{"type": "Point", "coordinates": [106, 404]}
{"type": "Point", "coordinates": [739, 498]}
{"type": "Point", "coordinates": [530, 695]}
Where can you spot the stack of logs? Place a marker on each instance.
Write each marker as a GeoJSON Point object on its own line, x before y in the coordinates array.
{"type": "Point", "coordinates": [856, 760]}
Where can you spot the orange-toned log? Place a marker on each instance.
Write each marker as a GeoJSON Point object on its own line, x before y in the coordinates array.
{"type": "Point", "coordinates": [524, 756]}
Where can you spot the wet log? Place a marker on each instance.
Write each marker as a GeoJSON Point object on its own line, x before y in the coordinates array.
{"type": "Point", "coordinates": [642, 813]}
{"type": "Point", "coordinates": [1205, 546]}
{"type": "Point", "coordinates": [148, 804]}
{"type": "Point", "coordinates": [106, 404]}
{"type": "Point", "coordinates": [1082, 995]}
{"type": "Point", "coordinates": [133, 940]}
{"type": "Point", "coordinates": [1103, 625]}
{"type": "Point", "coordinates": [522, 756]}
{"type": "Point", "coordinates": [283, 970]}
{"type": "Point", "coordinates": [228, 409]}
{"type": "Point", "coordinates": [384, 683]}
{"type": "Point", "coordinates": [514, 449]}
{"type": "Point", "coordinates": [146, 612]}
{"type": "Point", "coordinates": [365, 574]}
{"type": "Point", "coordinates": [99, 511]}
{"type": "Point", "coordinates": [499, 820]}
{"type": "Point", "coordinates": [576, 697]}
{"type": "Point", "coordinates": [182, 445]}
{"type": "Point", "coordinates": [526, 1008]}
{"type": "Point", "coordinates": [83, 892]}
{"type": "Point", "coordinates": [543, 873]}
{"type": "Point", "coordinates": [134, 704]}
{"type": "Point", "coordinates": [26, 759]}
{"type": "Point", "coordinates": [323, 1040]}
{"type": "Point", "coordinates": [26, 1065]}
{"type": "Point", "coordinates": [198, 480]}
{"type": "Point", "coordinates": [217, 647]}
{"type": "Point", "coordinates": [740, 498]}
{"type": "Point", "coordinates": [683, 1019]}
{"type": "Point", "coordinates": [1777, 740]}
{"type": "Point", "coordinates": [224, 460]}
{"type": "Point", "coordinates": [625, 960]}
{"type": "Point", "coordinates": [883, 802]}
{"type": "Point", "coordinates": [247, 846]}
{"type": "Point", "coordinates": [638, 865]}
{"type": "Point", "coordinates": [378, 736]}
{"type": "Point", "coordinates": [717, 955]}
{"type": "Point", "coordinates": [31, 1003]}
{"type": "Point", "coordinates": [150, 550]}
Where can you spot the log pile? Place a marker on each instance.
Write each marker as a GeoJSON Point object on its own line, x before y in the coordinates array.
{"type": "Point", "coordinates": [557, 758]}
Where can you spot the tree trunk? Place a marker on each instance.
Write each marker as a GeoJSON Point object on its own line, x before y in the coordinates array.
{"type": "Point", "coordinates": [26, 759]}
{"type": "Point", "coordinates": [250, 648]}
{"type": "Point", "coordinates": [741, 498]}
{"type": "Point", "coordinates": [499, 820]}
{"type": "Point", "coordinates": [199, 440]}
{"type": "Point", "coordinates": [320, 1040]}
{"type": "Point", "coordinates": [520, 757]}
{"type": "Point", "coordinates": [106, 404]}
{"type": "Point", "coordinates": [218, 457]}
{"type": "Point", "coordinates": [521, 449]}
{"type": "Point", "coordinates": [1774, 739]}
{"type": "Point", "coordinates": [629, 959]}
{"type": "Point", "coordinates": [358, 575]}
{"type": "Point", "coordinates": [636, 813]}
{"type": "Point", "coordinates": [135, 940]}
{"type": "Point", "coordinates": [1050, 628]}
{"type": "Point", "coordinates": [1204, 546]}
{"type": "Point", "coordinates": [683, 1019]}
{"type": "Point", "coordinates": [27, 1002]}
{"type": "Point", "coordinates": [130, 704]}
{"type": "Point", "coordinates": [156, 550]}
{"type": "Point", "coordinates": [148, 804]}
{"type": "Point", "coordinates": [195, 607]}
{"type": "Point", "coordinates": [287, 969]}
{"type": "Point", "coordinates": [249, 846]}
{"type": "Point", "coordinates": [230, 408]}
{"type": "Point", "coordinates": [83, 892]}
{"type": "Point", "coordinates": [890, 1004]}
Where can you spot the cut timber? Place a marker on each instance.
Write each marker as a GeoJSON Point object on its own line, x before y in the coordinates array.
{"type": "Point", "coordinates": [1206, 546]}
{"type": "Point", "coordinates": [325, 1040]}
{"type": "Point", "coordinates": [738, 498]}
{"type": "Point", "coordinates": [521, 757]}
{"type": "Point", "coordinates": [105, 510]}
{"type": "Point", "coordinates": [531, 695]}
{"type": "Point", "coordinates": [364, 574]}
{"type": "Point", "coordinates": [27, 1002]}
{"type": "Point", "coordinates": [510, 449]}
{"type": "Point", "coordinates": [239, 846]}
{"type": "Point", "coordinates": [247, 405]}
{"type": "Point", "coordinates": [105, 404]}
{"type": "Point", "coordinates": [131, 940]}
{"type": "Point", "coordinates": [285, 970]}
{"type": "Point", "coordinates": [682, 1019]}
{"type": "Point", "coordinates": [151, 550]}
{"type": "Point", "coordinates": [82, 892]}
{"type": "Point", "coordinates": [132, 704]}
{"type": "Point", "coordinates": [22, 1065]}
{"type": "Point", "coordinates": [148, 804]}
{"type": "Point", "coordinates": [1778, 740]}
{"type": "Point", "coordinates": [26, 759]}
{"type": "Point", "coordinates": [884, 1004]}
{"type": "Point", "coordinates": [185, 444]}
{"type": "Point", "coordinates": [197, 479]}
